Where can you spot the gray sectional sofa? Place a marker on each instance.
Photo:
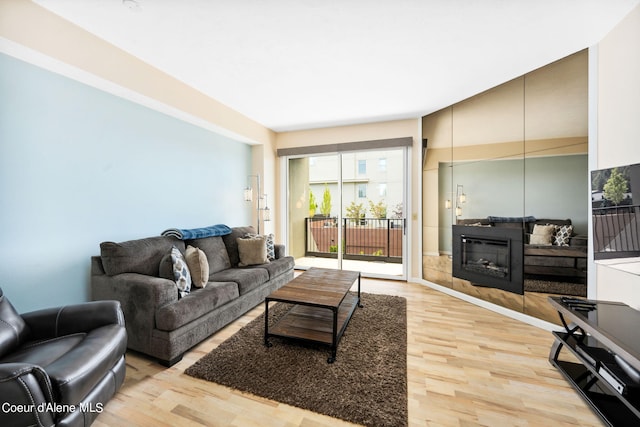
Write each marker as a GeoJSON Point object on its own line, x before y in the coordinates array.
{"type": "Point", "coordinates": [159, 322]}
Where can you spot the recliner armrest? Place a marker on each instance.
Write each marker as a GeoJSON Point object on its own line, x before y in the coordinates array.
{"type": "Point", "coordinates": [26, 395]}
{"type": "Point", "coordinates": [70, 319]}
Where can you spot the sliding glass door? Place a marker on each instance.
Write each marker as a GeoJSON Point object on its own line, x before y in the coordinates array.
{"type": "Point", "coordinates": [313, 211]}
{"type": "Point", "coordinates": [346, 211]}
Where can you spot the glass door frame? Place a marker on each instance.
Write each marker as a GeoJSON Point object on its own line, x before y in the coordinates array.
{"type": "Point", "coordinates": [285, 215]}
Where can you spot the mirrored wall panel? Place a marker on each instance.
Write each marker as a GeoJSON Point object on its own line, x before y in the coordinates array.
{"type": "Point", "coordinates": [500, 169]}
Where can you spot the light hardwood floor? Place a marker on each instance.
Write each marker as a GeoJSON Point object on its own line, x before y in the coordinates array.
{"type": "Point", "coordinates": [467, 366]}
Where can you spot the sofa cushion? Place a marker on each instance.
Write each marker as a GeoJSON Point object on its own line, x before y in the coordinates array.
{"type": "Point", "coordinates": [252, 250]}
{"type": "Point", "coordinates": [195, 305]}
{"type": "Point", "coordinates": [231, 242]}
{"type": "Point", "coordinates": [165, 269]}
{"type": "Point", "coordinates": [246, 278]}
{"type": "Point", "coordinates": [198, 266]}
{"type": "Point", "coordinates": [278, 266]}
{"type": "Point", "coordinates": [181, 274]}
{"type": "Point", "coordinates": [137, 256]}
{"type": "Point", "coordinates": [13, 329]}
{"type": "Point", "coordinates": [216, 252]}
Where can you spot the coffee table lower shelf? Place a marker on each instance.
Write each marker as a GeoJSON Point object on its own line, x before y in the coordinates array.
{"type": "Point", "coordinates": [314, 324]}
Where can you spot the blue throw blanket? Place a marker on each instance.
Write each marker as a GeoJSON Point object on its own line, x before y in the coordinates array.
{"type": "Point", "coordinates": [198, 233]}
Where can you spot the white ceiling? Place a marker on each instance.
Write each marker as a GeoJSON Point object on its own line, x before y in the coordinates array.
{"type": "Point", "coordinates": [298, 64]}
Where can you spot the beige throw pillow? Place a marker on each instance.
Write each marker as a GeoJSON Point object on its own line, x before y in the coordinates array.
{"type": "Point", "coordinates": [539, 239]}
{"type": "Point", "coordinates": [252, 251]}
{"type": "Point", "coordinates": [198, 266]}
{"type": "Point", "coordinates": [542, 234]}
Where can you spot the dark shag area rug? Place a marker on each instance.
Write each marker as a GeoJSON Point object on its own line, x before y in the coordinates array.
{"type": "Point", "coordinates": [555, 287]}
{"type": "Point", "coordinates": [367, 384]}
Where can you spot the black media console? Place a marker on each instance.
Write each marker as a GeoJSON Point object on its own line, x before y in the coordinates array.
{"type": "Point", "coordinates": [604, 340]}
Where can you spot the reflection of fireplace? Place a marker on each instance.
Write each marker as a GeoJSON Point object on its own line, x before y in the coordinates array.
{"type": "Point", "coordinates": [486, 256]}
{"type": "Point", "coordinates": [489, 256]}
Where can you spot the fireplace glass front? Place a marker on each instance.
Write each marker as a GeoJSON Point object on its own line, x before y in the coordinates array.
{"type": "Point", "coordinates": [489, 256]}
{"type": "Point", "coordinates": [486, 256]}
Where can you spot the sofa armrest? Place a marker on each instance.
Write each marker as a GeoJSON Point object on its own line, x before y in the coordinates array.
{"type": "Point", "coordinates": [134, 289]}
{"type": "Point", "coordinates": [140, 297]}
{"type": "Point", "coordinates": [280, 251]}
{"type": "Point", "coordinates": [26, 394]}
{"type": "Point", "coordinates": [578, 240]}
{"type": "Point", "coordinates": [71, 319]}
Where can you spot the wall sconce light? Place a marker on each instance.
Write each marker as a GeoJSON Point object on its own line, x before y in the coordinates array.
{"type": "Point", "coordinates": [248, 197]}
{"type": "Point", "coordinates": [460, 199]}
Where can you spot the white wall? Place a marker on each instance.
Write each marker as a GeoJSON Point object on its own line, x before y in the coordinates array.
{"type": "Point", "coordinates": [615, 135]}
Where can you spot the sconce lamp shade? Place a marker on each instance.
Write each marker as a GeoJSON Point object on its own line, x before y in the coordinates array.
{"type": "Point", "coordinates": [248, 194]}
{"type": "Point", "coordinates": [262, 198]}
{"type": "Point", "coordinates": [458, 211]}
{"type": "Point", "coordinates": [447, 204]}
{"type": "Point", "coordinates": [463, 198]}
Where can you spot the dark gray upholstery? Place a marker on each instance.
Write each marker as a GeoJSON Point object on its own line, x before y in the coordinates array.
{"type": "Point", "coordinates": [231, 242]}
{"type": "Point", "coordinates": [278, 266]}
{"type": "Point", "coordinates": [71, 356]}
{"type": "Point", "coordinates": [137, 256]}
{"type": "Point", "coordinates": [216, 252]}
{"type": "Point", "coordinates": [247, 278]}
{"type": "Point", "coordinates": [161, 324]}
{"type": "Point", "coordinates": [196, 304]}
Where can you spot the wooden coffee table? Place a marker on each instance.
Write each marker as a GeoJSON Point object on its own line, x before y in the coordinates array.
{"type": "Point", "coordinates": [321, 311]}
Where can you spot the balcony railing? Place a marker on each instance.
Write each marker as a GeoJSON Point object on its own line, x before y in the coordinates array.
{"type": "Point", "coordinates": [365, 239]}
{"type": "Point", "coordinates": [615, 232]}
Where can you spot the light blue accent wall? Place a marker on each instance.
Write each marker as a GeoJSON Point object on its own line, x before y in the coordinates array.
{"type": "Point", "coordinates": [79, 166]}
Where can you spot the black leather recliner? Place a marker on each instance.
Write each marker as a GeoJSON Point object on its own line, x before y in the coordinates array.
{"type": "Point", "coordinates": [60, 366]}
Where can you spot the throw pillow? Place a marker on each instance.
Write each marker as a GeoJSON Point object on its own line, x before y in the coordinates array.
{"type": "Point", "coordinates": [269, 240]}
{"type": "Point", "coordinates": [215, 251]}
{"type": "Point", "coordinates": [181, 274]}
{"type": "Point", "coordinates": [252, 251]}
{"type": "Point", "coordinates": [198, 266]}
{"type": "Point", "coordinates": [563, 235]}
{"type": "Point", "coordinates": [271, 247]}
{"type": "Point", "coordinates": [542, 234]}
{"type": "Point", "coordinates": [539, 239]}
